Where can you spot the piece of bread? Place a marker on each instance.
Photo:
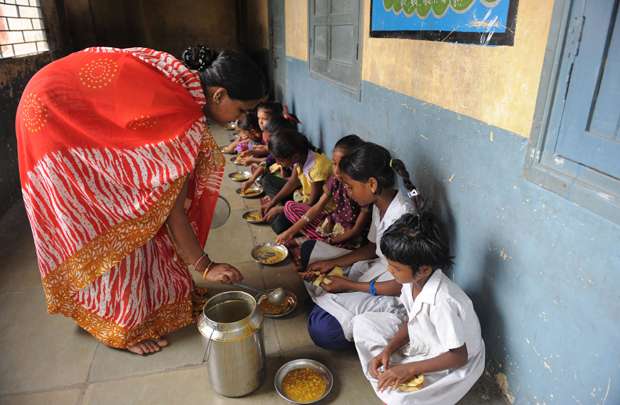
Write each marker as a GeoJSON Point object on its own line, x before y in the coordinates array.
{"type": "Point", "coordinates": [413, 385]}
{"type": "Point", "coordinates": [338, 230]}
{"type": "Point", "coordinates": [336, 271]}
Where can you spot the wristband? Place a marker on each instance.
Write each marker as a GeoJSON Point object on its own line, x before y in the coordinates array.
{"type": "Point", "coordinates": [372, 289]}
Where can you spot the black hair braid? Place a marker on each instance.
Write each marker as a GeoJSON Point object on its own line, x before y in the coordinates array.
{"type": "Point", "coordinates": [199, 57]}
{"type": "Point", "coordinates": [399, 167]}
{"type": "Point", "coordinates": [232, 70]}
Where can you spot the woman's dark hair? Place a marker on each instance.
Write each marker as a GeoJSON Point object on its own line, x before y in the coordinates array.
{"type": "Point", "coordinates": [279, 123]}
{"type": "Point", "coordinates": [348, 143]}
{"type": "Point", "coordinates": [234, 71]}
{"type": "Point", "coordinates": [273, 107]}
{"type": "Point", "coordinates": [416, 240]}
{"type": "Point", "coordinates": [372, 160]}
{"type": "Point", "coordinates": [249, 122]}
{"type": "Point", "coordinates": [288, 142]}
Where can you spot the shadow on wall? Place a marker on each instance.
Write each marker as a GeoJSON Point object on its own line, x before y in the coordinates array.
{"type": "Point", "coordinates": [432, 189]}
{"type": "Point", "coordinates": [482, 290]}
{"type": "Point", "coordinates": [492, 269]}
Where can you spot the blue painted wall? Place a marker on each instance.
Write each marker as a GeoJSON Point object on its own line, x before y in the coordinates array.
{"type": "Point", "coordinates": [544, 273]}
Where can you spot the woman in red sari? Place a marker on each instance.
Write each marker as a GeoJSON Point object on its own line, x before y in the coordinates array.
{"type": "Point", "coordinates": [120, 177]}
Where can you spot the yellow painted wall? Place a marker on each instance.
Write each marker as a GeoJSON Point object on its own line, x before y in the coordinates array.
{"type": "Point", "coordinates": [296, 23]}
{"type": "Point", "coordinates": [496, 85]}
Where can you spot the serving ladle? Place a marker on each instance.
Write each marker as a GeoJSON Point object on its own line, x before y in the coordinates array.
{"type": "Point", "coordinates": [275, 296]}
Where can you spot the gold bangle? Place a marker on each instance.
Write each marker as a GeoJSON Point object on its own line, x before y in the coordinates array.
{"type": "Point", "coordinates": [194, 266]}
{"type": "Point", "coordinates": [204, 273]}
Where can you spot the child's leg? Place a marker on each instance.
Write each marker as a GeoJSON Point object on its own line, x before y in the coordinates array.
{"type": "Point", "coordinates": [294, 211]}
{"type": "Point", "coordinates": [306, 250]}
{"type": "Point", "coordinates": [372, 332]}
{"type": "Point", "coordinates": [273, 184]}
{"type": "Point", "coordinates": [280, 224]}
{"type": "Point", "coordinates": [325, 330]}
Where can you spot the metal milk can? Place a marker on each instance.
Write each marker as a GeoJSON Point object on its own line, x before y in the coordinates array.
{"type": "Point", "coordinates": [231, 325]}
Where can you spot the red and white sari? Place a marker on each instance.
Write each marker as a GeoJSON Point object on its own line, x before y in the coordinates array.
{"type": "Point", "coordinates": [106, 139]}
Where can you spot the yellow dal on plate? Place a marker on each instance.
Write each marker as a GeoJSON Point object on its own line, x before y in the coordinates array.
{"type": "Point", "coordinates": [272, 309]}
{"type": "Point", "coordinates": [254, 216]}
{"type": "Point", "coordinates": [250, 192]}
{"type": "Point", "coordinates": [304, 385]}
{"type": "Point", "coordinates": [269, 255]}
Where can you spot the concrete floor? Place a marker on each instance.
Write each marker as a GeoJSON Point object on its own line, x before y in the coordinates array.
{"type": "Point", "coordinates": [49, 360]}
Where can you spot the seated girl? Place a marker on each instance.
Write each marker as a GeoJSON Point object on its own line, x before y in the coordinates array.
{"type": "Point", "coordinates": [310, 171]}
{"type": "Point", "coordinates": [249, 135]}
{"type": "Point", "coordinates": [273, 125]}
{"type": "Point", "coordinates": [368, 173]}
{"type": "Point", "coordinates": [335, 218]}
{"type": "Point", "coordinates": [265, 112]}
{"type": "Point", "coordinates": [440, 339]}
{"type": "Point", "coordinates": [272, 176]}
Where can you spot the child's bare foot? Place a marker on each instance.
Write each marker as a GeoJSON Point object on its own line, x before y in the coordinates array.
{"type": "Point", "coordinates": [148, 346]}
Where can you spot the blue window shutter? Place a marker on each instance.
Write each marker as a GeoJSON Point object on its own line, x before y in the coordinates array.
{"type": "Point", "coordinates": [589, 130]}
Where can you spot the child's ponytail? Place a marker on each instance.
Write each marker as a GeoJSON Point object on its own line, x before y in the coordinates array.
{"type": "Point", "coordinates": [412, 192]}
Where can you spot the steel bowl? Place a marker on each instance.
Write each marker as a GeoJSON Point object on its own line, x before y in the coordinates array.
{"type": "Point", "coordinates": [252, 192]}
{"type": "Point", "coordinates": [246, 216]}
{"type": "Point", "coordinates": [291, 300]}
{"type": "Point", "coordinates": [240, 175]}
{"type": "Point", "coordinates": [278, 248]}
{"type": "Point", "coordinates": [303, 363]}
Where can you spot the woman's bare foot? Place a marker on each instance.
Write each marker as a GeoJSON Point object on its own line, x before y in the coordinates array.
{"type": "Point", "coordinates": [148, 346]}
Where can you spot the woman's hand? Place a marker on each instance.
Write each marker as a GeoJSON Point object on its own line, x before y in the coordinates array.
{"type": "Point", "coordinates": [338, 284]}
{"type": "Point", "coordinates": [284, 237]}
{"type": "Point", "coordinates": [380, 360]}
{"type": "Point", "coordinates": [272, 213]}
{"type": "Point", "coordinates": [223, 273]}
{"type": "Point", "coordinates": [394, 376]}
{"type": "Point", "coordinates": [323, 266]}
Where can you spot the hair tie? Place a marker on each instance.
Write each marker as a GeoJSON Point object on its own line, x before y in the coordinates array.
{"type": "Point", "coordinates": [199, 57]}
{"type": "Point", "coordinates": [391, 163]}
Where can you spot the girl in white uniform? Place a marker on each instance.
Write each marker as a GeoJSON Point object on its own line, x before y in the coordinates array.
{"type": "Point", "coordinates": [368, 173]}
{"type": "Point", "coordinates": [441, 337]}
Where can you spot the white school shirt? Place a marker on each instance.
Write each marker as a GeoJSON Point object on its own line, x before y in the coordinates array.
{"type": "Point", "coordinates": [399, 206]}
{"type": "Point", "coordinates": [345, 306]}
{"type": "Point", "coordinates": [441, 318]}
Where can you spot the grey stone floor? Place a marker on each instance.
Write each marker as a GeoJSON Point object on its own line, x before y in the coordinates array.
{"type": "Point", "coordinates": [49, 360]}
